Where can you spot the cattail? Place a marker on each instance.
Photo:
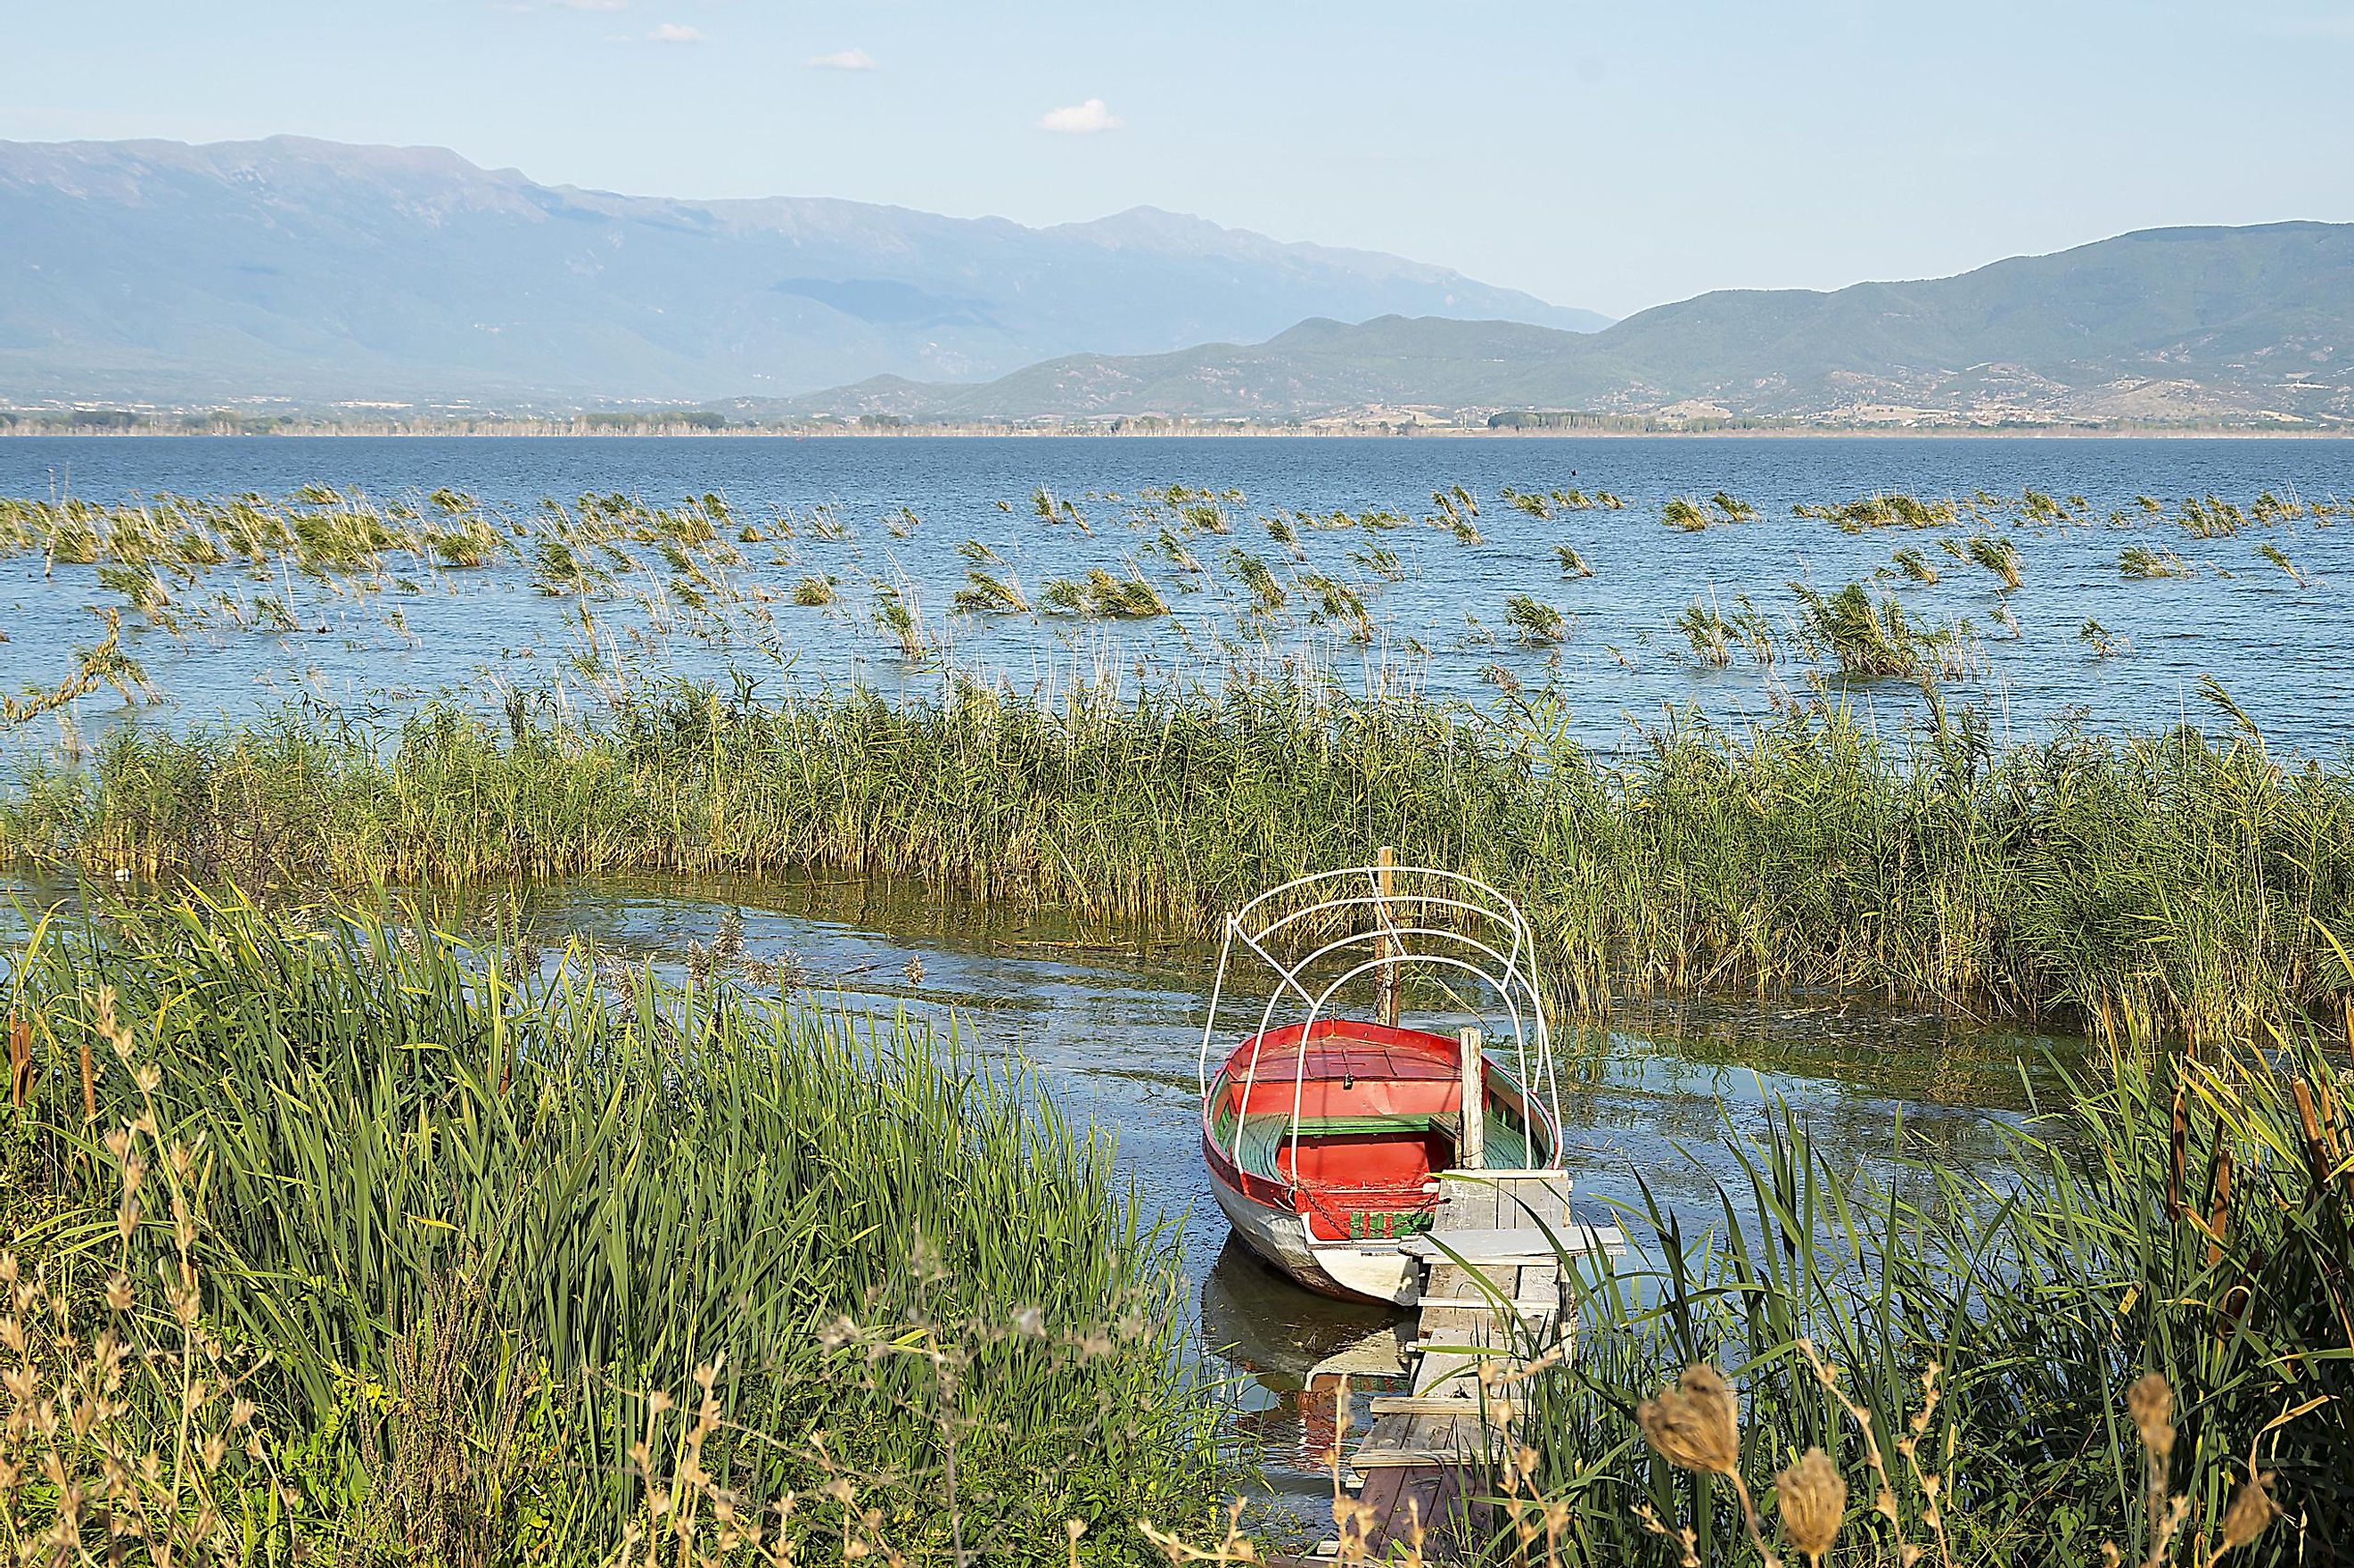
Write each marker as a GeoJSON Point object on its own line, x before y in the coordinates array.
{"type": "Point", "coordinates": [2150, 1402]}
{"type": "Point", "coordinates": [2251, 1508]}
{"type": "Point", "coordinates": [1814, 1500]}
{"type": "Point", "coordinates": [1694, 1425]}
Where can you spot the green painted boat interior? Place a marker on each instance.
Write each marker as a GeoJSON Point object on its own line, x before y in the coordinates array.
{"type": "Point", "coordinates": [1265, 1136]}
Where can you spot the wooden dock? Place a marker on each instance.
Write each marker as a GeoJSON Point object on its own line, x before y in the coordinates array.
{"type": "Point", "coordinates": [1492, 1290]}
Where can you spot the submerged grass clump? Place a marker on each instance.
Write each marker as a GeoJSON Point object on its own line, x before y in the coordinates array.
{"type": "Point", "coordinates": [455, 1236]}
{"type": "Point", "coordinates": [2162, 881]}
{"type": "Point", "coordinates": [1871, 638]}
{"type": "Point", "coordinates": [1533, 620]}
{"type": "Point", "coordinates": [2139, 561]}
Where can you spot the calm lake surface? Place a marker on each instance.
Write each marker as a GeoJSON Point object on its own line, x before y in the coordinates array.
{"type": "Point", "coordinates": [2277, 647]}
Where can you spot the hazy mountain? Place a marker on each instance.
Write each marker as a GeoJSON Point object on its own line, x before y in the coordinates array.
{"type": "Point", "coordinates": [313, 270]}
{"type": "Point", "coordinates": [2165, 323]}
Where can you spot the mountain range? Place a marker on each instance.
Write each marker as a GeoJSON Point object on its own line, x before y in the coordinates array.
{"type": "Point", "coordinates": [316, 270]}
{"type": "Point", "coordinates": [2249, 325]}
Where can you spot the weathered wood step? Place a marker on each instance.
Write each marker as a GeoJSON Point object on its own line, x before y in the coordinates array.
{"type": "Point", "coordinates": [1511, 1246]}
{"type": "Point", "coordinates": [1494, 1409]}
{"type": "Point", "coordinates": [1482, 1304]}
{"type": "Point", "coordinates": [1400, 1459]}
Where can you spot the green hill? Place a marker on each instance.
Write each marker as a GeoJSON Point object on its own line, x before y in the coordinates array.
{"type": "Point", "coordinates": [2191, 324]}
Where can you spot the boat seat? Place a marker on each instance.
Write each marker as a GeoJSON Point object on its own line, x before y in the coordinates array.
{"type": "Point", "coordinates": [1265, 1136]}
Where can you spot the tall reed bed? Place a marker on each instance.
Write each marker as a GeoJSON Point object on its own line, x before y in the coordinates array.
{"type": "Point", "coordinates": [1974, 1355]}
{"type": "Point", "coordinates": [470, 1232]}
{"type": "Point", "coordinates": [2146, 883]}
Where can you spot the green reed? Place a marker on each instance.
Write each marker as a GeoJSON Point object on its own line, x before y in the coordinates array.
{"type": "Point", "coordinates": [2133, 883]}
{"type": "Point", "coordinates": [2191, 1217]}
{"type": "Point", "coordinates": [473, 1216]}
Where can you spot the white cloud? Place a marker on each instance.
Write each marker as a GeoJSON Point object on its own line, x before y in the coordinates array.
{"type": "Point", "coordinates": [841, 59]}
{"type": "Point", "coordinates": [672, 33]}
{"type": "Point", "coordinates": [1080, 119]}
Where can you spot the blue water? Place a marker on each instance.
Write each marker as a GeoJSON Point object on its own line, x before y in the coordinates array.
{"type": "Point", "coordinates": [2274, 645]}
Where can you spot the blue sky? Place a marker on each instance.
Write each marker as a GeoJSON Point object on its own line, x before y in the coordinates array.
{"type": "Point", "coordinates": [1610, 156]}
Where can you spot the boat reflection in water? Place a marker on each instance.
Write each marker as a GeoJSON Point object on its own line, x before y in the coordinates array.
{"type": "Point", "coordinates": [1292, 1353]}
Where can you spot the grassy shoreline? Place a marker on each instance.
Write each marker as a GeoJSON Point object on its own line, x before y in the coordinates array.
{"type": "Point", "coordinates": [2127, 886]}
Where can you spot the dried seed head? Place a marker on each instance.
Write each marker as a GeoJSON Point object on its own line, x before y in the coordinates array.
{"type": "Point", "coordinates": [2251, 1508]}
{"type": "Point", "coordinates": [1814, 1500]}
{"type": "Point", "coordinates": [2150, 1402]}
{"type": "Point", "coordinates": [1695, 1424]}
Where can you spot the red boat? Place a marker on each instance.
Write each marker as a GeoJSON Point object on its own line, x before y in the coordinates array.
{"type": "Point", "coordinates": [1326, 1134]}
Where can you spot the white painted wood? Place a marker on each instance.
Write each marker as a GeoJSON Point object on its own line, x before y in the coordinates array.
{"type": "Point", "coordinates": [1471, 1149]}
{"type": "Point", "coordinates": [1514, 1247]}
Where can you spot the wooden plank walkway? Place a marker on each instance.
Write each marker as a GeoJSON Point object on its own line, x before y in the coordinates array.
{"type": "Point", "coordinates": [1492, 1289]}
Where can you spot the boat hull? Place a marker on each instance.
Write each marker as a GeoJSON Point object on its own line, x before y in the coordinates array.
{"type": "Point", "coordinates": [1281, 1237]}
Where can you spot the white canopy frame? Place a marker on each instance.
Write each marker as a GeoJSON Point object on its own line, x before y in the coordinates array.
{"type": "Point", "coordinates": [1491, 941]}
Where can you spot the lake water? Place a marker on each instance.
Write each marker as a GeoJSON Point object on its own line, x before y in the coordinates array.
{"type": "Point", "coordinates": [2274, 645]}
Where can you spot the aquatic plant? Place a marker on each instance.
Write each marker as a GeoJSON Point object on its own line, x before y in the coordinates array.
{"type": "Point", "coordinates": [2103, 644]}
{"type": "Point", "coordinates": [1337, 601]}
{"type": "Point", "coordinates": [2139, 561]}
{"type": "Point", "coordinates": [1872, 638]}
{"type": "Point", "coordinates": [1999, 557]}
{"type": "Point", "coordinates": [2279, 557]}
{"type": "Point", "coordinates": [1804, 850]}
{"type": "Point", "coordinates": [1714, 633]}
{"type": "Point", "coordinates": [1266, 594]}
{"type": "Point", "coordinates": [1880, 511]}
{"type": "Point", "coordinates": [1914, 565]}
{"type": "Point", "coordinates": [103, 663]}
{"type": "Point", "coordinates": [1534, 621]}
{"type": "Point", "coordinates": [985, 595]}
{"type": "Point", "coordinates": [1382, 562]}
{"type": "Point", "coordinates": [1125, 599]}
{"type": "Point", "coordinates": [1573, 565]}
{"type": "Point", "coordinates": [1683, 512]}
{"type": "Point", "coordinates": [897, 612]}
{"type": "Point", "coordinates": [1709, 633]}
{"type": "Point", "coordinates": [2213, 518]}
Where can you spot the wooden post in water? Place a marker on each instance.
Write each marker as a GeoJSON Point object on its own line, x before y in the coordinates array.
{"type": "Point", "coordinates": [1471, 1146]}
{"type": "Point", "coordinates": [1385, 1009]}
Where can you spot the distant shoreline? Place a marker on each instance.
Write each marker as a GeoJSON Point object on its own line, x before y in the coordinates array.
{"type": "Point", "coordinates": [551, 430]}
